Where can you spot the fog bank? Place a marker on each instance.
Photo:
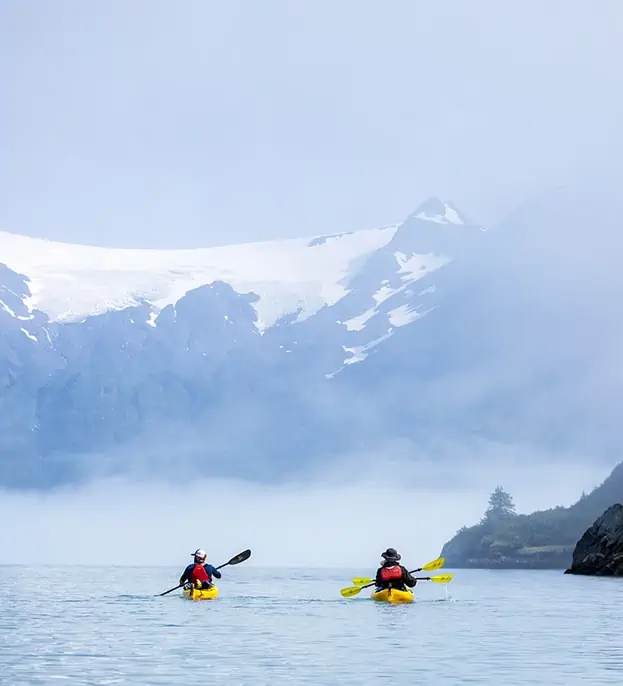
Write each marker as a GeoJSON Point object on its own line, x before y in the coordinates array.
{"type": "Point", "coordinates": [342, 522]}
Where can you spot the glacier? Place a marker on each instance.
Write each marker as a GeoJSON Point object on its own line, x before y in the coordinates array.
{"type": "Point", "coordinates": [262, 360]}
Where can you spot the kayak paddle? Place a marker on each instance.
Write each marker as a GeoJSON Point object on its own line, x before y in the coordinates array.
{"type": "Point", "coordinates": [356, 590]}
{"type": "Point", "coordinates": [439, 579]}
{"type": "Point", "coordinates": [364, 582]}
{"type": "Point", "coordinates": [236, 560]}
{"type": "Point", "coordinates": [429, 567]}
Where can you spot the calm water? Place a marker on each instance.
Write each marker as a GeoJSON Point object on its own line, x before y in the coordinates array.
{"type": "Point", "coordinates": [104, 626]}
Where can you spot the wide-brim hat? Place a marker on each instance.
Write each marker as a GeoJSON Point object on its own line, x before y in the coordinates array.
{"type": "Point", "coordinates": [391, 554]}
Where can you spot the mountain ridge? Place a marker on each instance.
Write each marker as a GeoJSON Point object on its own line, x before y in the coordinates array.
{"type": "Point", "coordinates": [429, 328]}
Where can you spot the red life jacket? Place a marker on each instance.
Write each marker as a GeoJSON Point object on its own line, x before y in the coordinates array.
{"type": "Point", "coordinates": [199, 573]}
{"type": "Point", "coordinates": [391, 573]}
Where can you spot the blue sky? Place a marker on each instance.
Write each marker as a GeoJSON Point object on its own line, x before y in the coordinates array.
{"type": "Point", "coordinates": [187, 123]}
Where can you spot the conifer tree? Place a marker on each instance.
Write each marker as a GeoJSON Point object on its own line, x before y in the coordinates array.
{"type": "Point", "coordinates": [501, 505]}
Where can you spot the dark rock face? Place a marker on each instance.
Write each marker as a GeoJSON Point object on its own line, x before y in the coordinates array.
{"type": "Point", "coordinates": [600, 550]}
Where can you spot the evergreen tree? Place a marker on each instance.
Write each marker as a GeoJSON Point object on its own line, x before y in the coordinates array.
{"type": "Point", "coordinates": [501, 505]}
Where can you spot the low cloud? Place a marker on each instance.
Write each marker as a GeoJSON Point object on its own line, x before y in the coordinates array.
{"type": "Point", "coordinates": [344, 519]}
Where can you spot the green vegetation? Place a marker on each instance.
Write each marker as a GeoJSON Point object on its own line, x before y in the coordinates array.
{"type": "Point", "coordinates": [543, 539]}
{"type": "Point", "coordinates": [501, 507]}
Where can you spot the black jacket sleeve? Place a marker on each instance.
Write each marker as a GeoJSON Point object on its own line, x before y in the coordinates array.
{"type": "Point", "coordinates": [407, 578]}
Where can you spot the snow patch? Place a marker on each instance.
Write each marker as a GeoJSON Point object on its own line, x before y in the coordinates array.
{"type": "Point", "coordinates": [29, 303]}
{"type": "Point", "coordinates": [358, 323]}
{"type": "Point", "coordinates": [29, 335]}
{"type": "Point", "coordinates": [416, 266]}
{"type": "Point", "coordinates": [412, 268]}
{"type": "Point", "coordinates": [72, 282]}
{"type": "Point", "coordinates": [7, 309]}
{"type": "Point", "coordinates": [384, 293]}
{"type": "Point", "coordinates": [360, 352]}
{"type": "Point", "coordinates": [403, 315]}
{"type": "Point", "coordinates": [449, 216]}
{"type": "Point", "coordinates": [426, 291]}
{"type": "Point", "coordinates": [452, 215]}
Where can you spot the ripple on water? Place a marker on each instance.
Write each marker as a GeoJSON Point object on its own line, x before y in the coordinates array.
{"type": "Point", "coordinates": [511, 628]}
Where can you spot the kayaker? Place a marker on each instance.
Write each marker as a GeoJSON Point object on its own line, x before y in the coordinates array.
{"type": "Point", "coordinates": [391, 574]}
{"type": "Point", "coordinates": [199, 574]}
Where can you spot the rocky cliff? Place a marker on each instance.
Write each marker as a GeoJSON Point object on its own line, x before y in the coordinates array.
{"type": "Point", "coordinates": [600, 550]}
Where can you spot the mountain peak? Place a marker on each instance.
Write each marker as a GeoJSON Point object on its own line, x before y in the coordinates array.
{"type": "Point", "coordinates": [439, 211]}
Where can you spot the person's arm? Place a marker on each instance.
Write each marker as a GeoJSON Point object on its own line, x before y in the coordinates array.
{"type": "Point", "coordinates": [378, 581]}
{"type": "Point", "coordinates": [407, 578]}
{"type": "Point", "coordinates": [185, 576]}
{"type": "Point", "coordinates": [214, 572]}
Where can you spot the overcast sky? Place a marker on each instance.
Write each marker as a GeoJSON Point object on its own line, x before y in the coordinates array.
{"type": "Point", "coordinates": [191, 122]}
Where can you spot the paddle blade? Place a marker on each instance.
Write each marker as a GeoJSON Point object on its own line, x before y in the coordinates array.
{"type": "Point", "coordinates": [362, 580]}
{"type": "Point", "coordinates": [241, 557]}
{"type": "Point", "coordinates": [442, 578]}
{"type": "Point", "coordinates": [351, 591]}
{"type": "Point", "coordinates": [435, 564]}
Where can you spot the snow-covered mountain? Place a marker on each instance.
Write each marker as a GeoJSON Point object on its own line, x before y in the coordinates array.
{"type": "Point", "coordinates": [254, 359]}
{"type": "Point", "coordinates": [71, 282]}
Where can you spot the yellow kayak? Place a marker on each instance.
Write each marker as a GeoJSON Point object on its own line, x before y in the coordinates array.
{"type": "Point", "coordinates": [201, 593]}
{"type": "Point", "coordinates": [393, 595]}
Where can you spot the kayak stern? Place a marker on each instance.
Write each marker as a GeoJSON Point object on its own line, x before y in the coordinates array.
{"type": "Point", "coordinates": [201, 593]}
{"type": "Point", "coordinates": [393, 596]}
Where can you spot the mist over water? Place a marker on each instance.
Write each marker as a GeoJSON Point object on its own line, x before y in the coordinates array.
{"type": "Point", "coordinates": [344, 519]}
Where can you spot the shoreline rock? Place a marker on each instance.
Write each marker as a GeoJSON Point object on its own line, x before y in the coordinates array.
{"type": "Point", "coordinates": [600, 550]}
